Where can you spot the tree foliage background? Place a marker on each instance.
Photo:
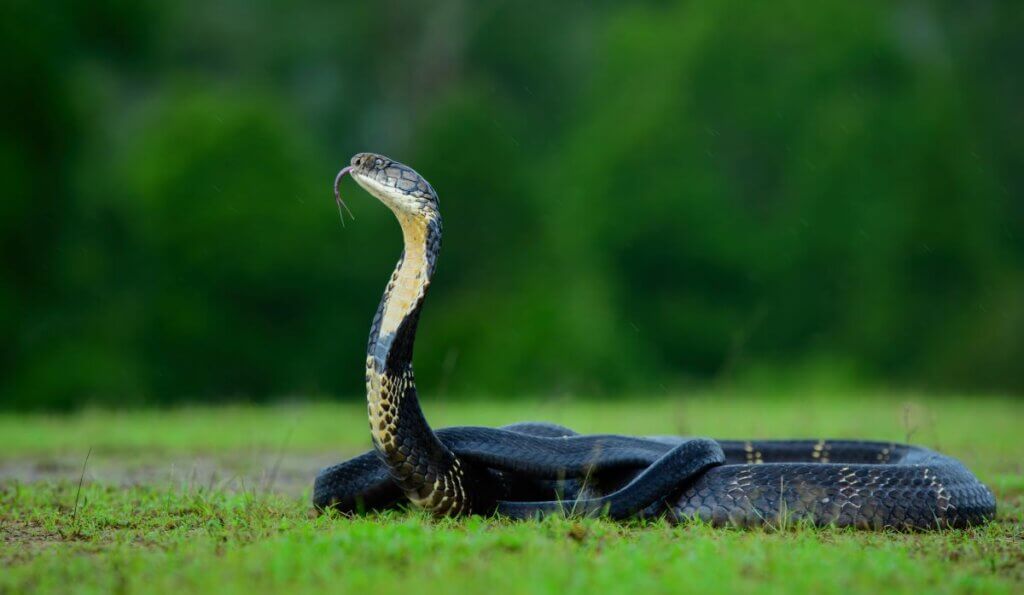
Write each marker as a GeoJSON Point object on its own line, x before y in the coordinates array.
{"type": "Point", "coordinates": [636, 195]}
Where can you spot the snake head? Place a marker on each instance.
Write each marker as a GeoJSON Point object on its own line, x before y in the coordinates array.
{"type": "Point", "coordinates": [396, 185]}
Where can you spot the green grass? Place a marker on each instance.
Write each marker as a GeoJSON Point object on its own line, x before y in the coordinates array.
{"type": "Point", "coordinates": [194, 537]}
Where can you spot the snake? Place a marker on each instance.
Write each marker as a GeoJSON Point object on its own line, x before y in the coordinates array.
{"type": "Point", "coordinates": [534, 469]}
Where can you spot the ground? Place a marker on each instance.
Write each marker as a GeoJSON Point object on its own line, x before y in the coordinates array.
{"type": "Point", "coordinates": [216, 500]}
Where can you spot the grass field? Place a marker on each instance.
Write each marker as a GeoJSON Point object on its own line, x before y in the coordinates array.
{"type": "Point", "coordinates": [215, 500]}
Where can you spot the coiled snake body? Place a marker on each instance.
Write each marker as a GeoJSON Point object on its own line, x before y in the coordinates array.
{"type": "Point", "coordinates": [533, 469]}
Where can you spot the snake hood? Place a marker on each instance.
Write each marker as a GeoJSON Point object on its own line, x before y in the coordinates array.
{"type": "Point", "coordinates": [396, 185]}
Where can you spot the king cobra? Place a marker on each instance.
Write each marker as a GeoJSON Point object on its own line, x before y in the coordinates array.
{"type": "Point", "coordinates": [536, 469]}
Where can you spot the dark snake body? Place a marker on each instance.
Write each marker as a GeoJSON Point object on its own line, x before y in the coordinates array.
{"type": "Point", "coordinates": [534, 469]}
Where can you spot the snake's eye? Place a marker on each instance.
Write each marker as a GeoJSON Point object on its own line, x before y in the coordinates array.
{"type": "Point", "coordinates": [378, 162]}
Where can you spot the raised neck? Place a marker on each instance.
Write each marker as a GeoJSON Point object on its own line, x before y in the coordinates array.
{"type": "Point", "coordinates": [429, 474]}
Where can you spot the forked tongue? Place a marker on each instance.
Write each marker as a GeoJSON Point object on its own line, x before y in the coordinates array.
{"type": "Point", "coordinates": [337, 195]}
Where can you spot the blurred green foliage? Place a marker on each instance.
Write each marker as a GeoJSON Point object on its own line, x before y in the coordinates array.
{"type": "Point", "coordinates": [635, 194]}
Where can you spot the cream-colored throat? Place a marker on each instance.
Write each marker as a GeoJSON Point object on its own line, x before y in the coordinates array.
{"type": "Point", "coordinates": [410, 279]}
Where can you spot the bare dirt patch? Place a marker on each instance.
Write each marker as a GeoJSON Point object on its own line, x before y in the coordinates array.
{"type": "Point", "coordinates": [289, 474]}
